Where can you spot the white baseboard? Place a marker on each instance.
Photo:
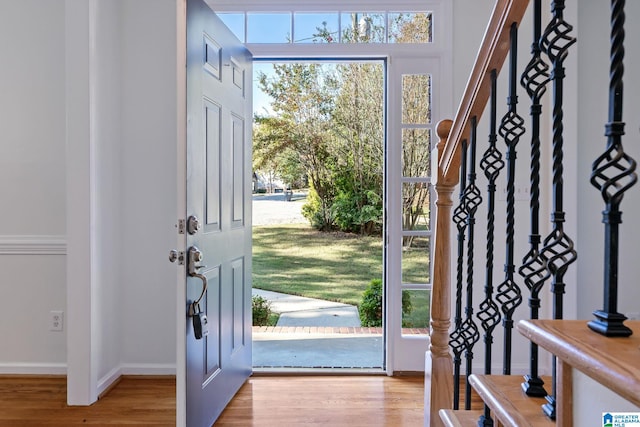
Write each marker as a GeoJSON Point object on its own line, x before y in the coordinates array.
{"type": "Point", "coordinates": [105, 382]}
{"type": "Point", "coordinates": [33, 369]}
{"type": "Point", "coordinates": [160, 369]}
{"type": "Point", "coordinates": [33, 245]}
{"type": "Point", "coordinates": [148, 369]}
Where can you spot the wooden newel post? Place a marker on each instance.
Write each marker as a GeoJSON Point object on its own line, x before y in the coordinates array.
{"type": "Point", "coordinates": [439, 364]}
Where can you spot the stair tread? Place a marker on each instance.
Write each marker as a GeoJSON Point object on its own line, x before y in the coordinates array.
{"type": "Point", "coordinates": [611, 361]}
{"type": "Point", "coordinates": [459, 418]}
{"type": "Point", "coordinates": [508, 402]}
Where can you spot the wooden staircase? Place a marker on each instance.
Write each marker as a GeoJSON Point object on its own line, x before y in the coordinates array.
{"type": "Point", "coordinates": [612, 362]}
{"type": "Point", "coordinates": [604, 354]}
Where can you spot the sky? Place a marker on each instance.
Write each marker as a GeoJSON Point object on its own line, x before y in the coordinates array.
{"type": "Point", "coordinates": [261, 101]}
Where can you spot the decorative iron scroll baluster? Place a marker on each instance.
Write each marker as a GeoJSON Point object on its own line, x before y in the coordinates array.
{"type": "Point", "coordinates": [489, 313]}
{"type": "Point", "coordinates": [613, 174]}
{"type": "Point", "coordinates": [557, 249]}
{"type": "Point", "coordinates": [534, 268]}
{"type": "Point", "coordinates": [511, 129]}
{"type": "Point", "coordinates": [472, 199]}
{"type": "Point", "coordinates": [457, 339]}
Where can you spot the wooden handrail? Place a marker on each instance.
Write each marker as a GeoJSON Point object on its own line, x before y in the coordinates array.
{"type": "Point", "coordinates": [492, 54]}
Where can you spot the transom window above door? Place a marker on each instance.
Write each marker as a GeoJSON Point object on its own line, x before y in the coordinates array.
{"type": "Point", "coordinates": [411, 27]}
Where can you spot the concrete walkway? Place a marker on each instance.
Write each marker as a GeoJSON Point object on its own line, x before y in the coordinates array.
{"type": "Point", "coordinates": [302, 348]}
{"type": "Point", "coordinates": [301, 311]}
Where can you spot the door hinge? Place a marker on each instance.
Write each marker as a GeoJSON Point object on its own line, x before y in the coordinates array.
{"type": "Point", "coordinates": [182, 226]}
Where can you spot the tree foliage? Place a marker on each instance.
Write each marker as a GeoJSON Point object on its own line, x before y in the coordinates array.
{"type": "Point", "coordinates": [328, 129]}
{"type": "Point", "coordinates": [303, 102]}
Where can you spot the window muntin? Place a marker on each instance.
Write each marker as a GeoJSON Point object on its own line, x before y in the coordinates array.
{"type": "Point", "coordinates": [331, 27]}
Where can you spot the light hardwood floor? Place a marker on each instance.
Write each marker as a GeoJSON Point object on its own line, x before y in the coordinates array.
{"type": "Point", "coordinates": [327, 401]}
{"type": "Point", "coordinates": [270, 401]}
{"type": "Point", "coordinates": [38, 401]}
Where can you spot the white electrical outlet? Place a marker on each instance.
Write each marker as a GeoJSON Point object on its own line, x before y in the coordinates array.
{"type": "Point", "coordinates": [56, 320]}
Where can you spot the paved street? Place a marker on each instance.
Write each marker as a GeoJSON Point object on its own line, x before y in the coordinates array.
{"type": "Point", "coordinates": [274, 209]}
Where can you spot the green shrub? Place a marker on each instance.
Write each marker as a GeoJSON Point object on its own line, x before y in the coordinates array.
{"type": "Point", "coordinates": [261, 310]}
{"type": "Point", "coordinates": [319, 217]}
{"type": "Point", "coordinates": [370, 308]}
{"type": "Point", "coordinates": [358, 212]}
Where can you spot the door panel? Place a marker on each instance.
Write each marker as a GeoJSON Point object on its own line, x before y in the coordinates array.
{"type": "Point", "coordinates": [213, 114]}
{"type": "Point", "coordinates": [218, 157]}
{"type": "Point", "coordinates": [238, 172]}
{"type": "Point", "coordinates": [239, 315]}
{"type": "Point", "coordinates": [213, 309]}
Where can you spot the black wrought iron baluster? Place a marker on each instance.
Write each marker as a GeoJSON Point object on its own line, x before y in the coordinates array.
{"type": "Point", "coordinates": [489, 313]}
{"type": "Point", "coordinates": [472, 199]}
{"type": "Point", "coordinates": [558, 250]}
{"type": "Point", "coordinates": [457, 339]}
{"type": "Point", "coordinates": [534, 268]}
{"type": "Point", "coordinates": [511, 129]}
{"type": "Point", "coordinates": [613, 174]}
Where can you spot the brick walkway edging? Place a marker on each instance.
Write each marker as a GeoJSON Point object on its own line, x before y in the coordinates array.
{"type": "Point", "coordinates": [332, 330]}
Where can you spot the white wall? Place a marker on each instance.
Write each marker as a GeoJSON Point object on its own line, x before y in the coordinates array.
{"type": "Point", "coordinates": [121, 120]}
{"type": "Point", "coordinates": [592, 115]}
{"type": "Point", "coordinates": [108, 189]}
{"type": "Point", "coordinates": [125, 121]}
{"type": "Point", "coordinates": [32, 185]}
{"type": "Point", "coordinates": [149, 188]}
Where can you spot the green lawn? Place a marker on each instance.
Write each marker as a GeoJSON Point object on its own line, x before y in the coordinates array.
{"type": "Point", "coordinates": [296, 259]}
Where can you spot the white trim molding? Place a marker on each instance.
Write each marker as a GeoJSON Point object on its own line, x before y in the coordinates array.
{"type": "Point", "coordinates": [33, 245]}
{"type": "Point", "coordinates": [19, 368]}
{"type": "Point", "coordinates": [148, 369]}
{"type": "Point", "coordinates": [325, 5]}
{"type": "Point", "coordinates": [160, 369]}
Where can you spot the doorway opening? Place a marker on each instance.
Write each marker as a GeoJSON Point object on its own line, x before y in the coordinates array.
{"type": "Point", "coordinates": [318, 160]}
{"type": "Point", "coordinates": [413, 52]}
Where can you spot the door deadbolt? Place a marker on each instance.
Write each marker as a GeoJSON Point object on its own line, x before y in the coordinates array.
{"type": "Point", "coordinates": [193, 224]}
{"type": "Point", "coordinates": [194, 256]}
{"type": "Point", "coordinates": [175, 255]}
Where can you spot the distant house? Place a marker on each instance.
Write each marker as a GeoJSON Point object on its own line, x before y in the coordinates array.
{"type": "Point", "coordinates": [262, 184]}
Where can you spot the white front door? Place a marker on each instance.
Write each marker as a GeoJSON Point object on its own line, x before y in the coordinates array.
{"type": "Point", "coordinates": [218, 228]}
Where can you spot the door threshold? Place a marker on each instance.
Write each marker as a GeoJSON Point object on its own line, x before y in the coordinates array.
{"type": "Point", "coordinates": [259, 372]}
